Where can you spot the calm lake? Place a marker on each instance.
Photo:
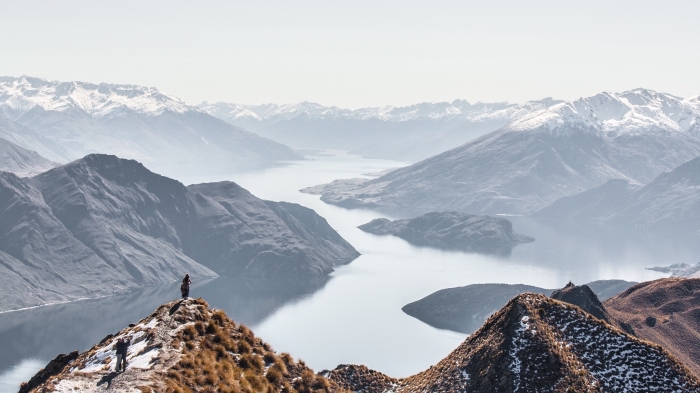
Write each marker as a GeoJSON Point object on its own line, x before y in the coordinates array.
{"type": "Point", "coordinates": [353, 316]}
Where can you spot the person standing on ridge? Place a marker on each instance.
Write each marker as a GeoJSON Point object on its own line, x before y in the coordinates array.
{"type": "Point", "coordinates": [125, 349]}
{"type": "Point", "coordinates": [120, 352]}
{"type": "Point", "coordinates": [185, 287]}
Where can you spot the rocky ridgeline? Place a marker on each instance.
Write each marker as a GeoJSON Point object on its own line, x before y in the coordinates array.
{"type": "Point", "coordinates": [184, 346]}
{"type": "Point", "coordinates": [452, 231]}
{"type": "Point", "coordinates": [533, 344]}
{"type": "Point", "coordinates": [537, 344]}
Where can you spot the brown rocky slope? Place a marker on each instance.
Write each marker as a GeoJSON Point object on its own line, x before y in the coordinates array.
{"type": "Point", "coordinates": [664, 311]}
{"type": "Point", "coordinates": [184, 346]}
{"type": "Point", "coordinates": [539, 344]}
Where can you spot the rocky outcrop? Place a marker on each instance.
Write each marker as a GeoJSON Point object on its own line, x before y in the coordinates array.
{"type": "Point", "coordinates": [537, 344]}
{"type": "Point", "coordinates": [104, 225]}
{"type": "Point", "coordinates": [583, 297]}
{"type": "Point", "coordinates": [184, 346]}
{"type": "Point", "coordinates": [54, 367]}
{"type": "Point", "coordinates": [452, 231]}
{"type": "Point", "coordinates": [663, 311]}
{"type": "Point", "coordinates": [360, 379]}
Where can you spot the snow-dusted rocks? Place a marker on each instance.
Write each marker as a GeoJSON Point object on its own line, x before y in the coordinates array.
{"type": "Point", "coordinates": [452, 231]}
{"type": "Point", "coordinates": [560, 151]}
{"type": "Point", "coordinates": [133, 122]}
{"type": "Point", "coordinates": [104, 225]}
{"type": "Point", "coordinates": [408, 133]}
{"type": "Point", "coordinates": [538, 344]}
{"type": "Point", "coordinates": [183, 346]}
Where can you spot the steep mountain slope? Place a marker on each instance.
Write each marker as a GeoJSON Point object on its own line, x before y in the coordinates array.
{"type": "Point", "coordinates": [102, 224]}
{"type": "Point", "coordinates": [665, 311]}
{"type": "Point", "coordinates": [408, 133]}
{"type": "Point", "coordinates": [538, 344]}
{"type": "Point", "coordinates": [559, 151]}
{"type": "Point", "coordinates": [32, 140]}
{"type": "Point", "coordinates": [133, 122]}
{"type": "Point", "coordinates": [183, 346]}
{"type": "Point", "coordinates": [671, 201]}
{"type": "Point", "coordinates": [22, 162]}
{"type": "Point", "coordinates": [452, 231]}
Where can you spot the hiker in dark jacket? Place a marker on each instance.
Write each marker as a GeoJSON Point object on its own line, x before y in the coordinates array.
{"type": "Point", "coordinates": [122, 350]}
{"type": "Point", "coordinates": [185, 287]}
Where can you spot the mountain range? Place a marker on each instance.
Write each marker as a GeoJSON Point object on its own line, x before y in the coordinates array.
{"type": "Point", "coordinates": [531, 162]}
{"type": "Point", "coordinates": [409, 133]}
{"type": "Point", "coordinates": [64, 121]}
{"type": "Point", "coordinates": [103, 225]}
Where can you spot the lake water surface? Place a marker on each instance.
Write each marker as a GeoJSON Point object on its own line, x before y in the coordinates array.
{"type": "Point", "coordinates": [353, 316]}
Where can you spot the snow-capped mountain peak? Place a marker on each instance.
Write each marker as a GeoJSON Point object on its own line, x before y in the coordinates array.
{"type": "Point", "coordinates": [20, 95]}
{"type": "Point", "coordinates": [634, 111]}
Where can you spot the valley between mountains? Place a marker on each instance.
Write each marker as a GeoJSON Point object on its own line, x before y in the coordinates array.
{"type": "Point", "coordinates": [436, 276]}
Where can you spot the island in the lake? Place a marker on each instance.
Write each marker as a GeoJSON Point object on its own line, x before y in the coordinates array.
{"type": "Point", "coordinates": [452, 231]}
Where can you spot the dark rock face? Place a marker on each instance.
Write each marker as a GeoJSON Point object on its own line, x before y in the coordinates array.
{"type": "Point", "coordinates": [452, 231]}
{"type": "Point", "coordinates": [53, 368]}
{"type": "Point", "coordinates": [583, 297]}
{"type": "Point", "coordinates": [102, 225]}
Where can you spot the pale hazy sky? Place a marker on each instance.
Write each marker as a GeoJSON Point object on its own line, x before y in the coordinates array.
{"type": "Point", "coordinates": [359, 53]}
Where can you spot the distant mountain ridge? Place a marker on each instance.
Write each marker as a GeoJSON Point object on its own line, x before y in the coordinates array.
{"type": "Point", "coordinates": [423, 110]}
{"type": "Point", "coordinates": [409, 133]}
{"type": "Point", "coordinates": [671, 201]}
{"type": "Point", "coordinates": [22, 162]}
{"type": "Point", "coordinates": [560, 151]}
{"type": "Point", "coordinates": [130, 121]}
{"type": "Point", "coordinates": [104, 225]}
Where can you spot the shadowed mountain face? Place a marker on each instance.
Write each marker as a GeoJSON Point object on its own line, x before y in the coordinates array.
{"type": "Point", "coordinates": [452, 231]}
{"type": "Point", "coordinates": [671, 201]}
{"type": "Point", "coordinates": [464, 309]}
{"type": "Point", "coordinates": [538, 344]}
{"type": "Point", "coordinates": [533, 161]}
{"type": "Point", "coordinates": [101, 225]}
{"type": "Point", "coordinates": [134, 122]}
{"type": "Point", "coordinates": [665, 311]}
{"type": "Point", "coordinates": [20, 161]}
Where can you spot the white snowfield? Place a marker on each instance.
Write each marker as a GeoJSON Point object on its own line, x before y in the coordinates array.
{"type": "Point", "coordinates": [20, 95]}
{"type": "Point", "coordinates": [630, 112]}
{"type": "Point", "coordinates": [457, 109]}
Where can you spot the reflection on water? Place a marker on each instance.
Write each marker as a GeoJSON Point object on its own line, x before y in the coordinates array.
{"type": "Point", "coordinates": [355, 315]}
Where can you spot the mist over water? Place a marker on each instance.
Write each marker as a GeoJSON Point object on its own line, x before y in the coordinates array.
{"type": "Point", "coordinates": [353, 316]}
